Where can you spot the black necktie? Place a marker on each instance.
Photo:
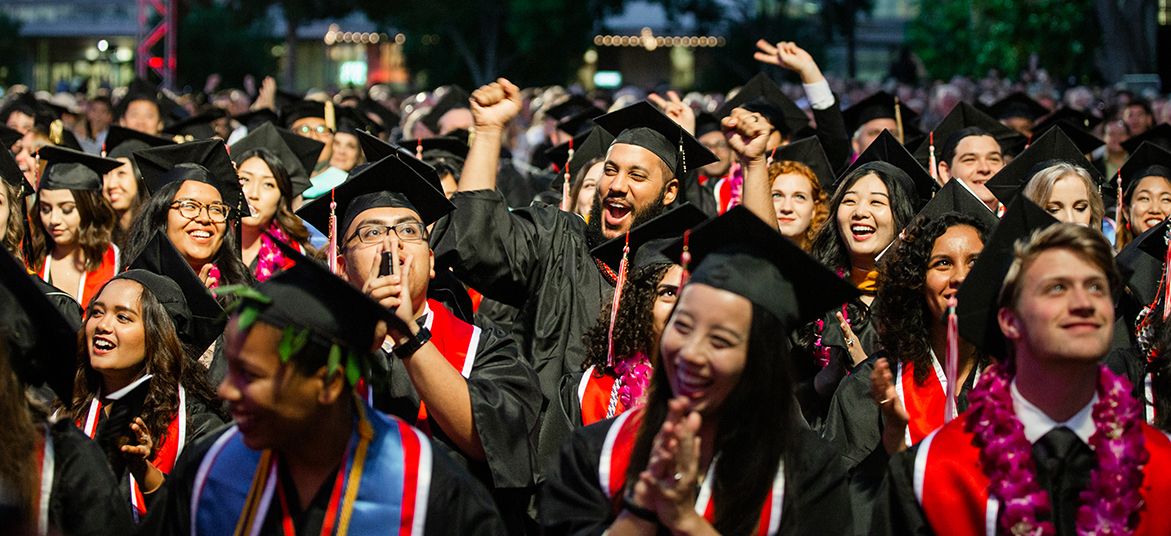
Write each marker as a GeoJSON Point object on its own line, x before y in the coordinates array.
{"type": "Point", "coordinates": [1064, 463]}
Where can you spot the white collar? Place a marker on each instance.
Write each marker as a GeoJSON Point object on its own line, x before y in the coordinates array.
{"type": "Point", "coordinates": [1037, 423]}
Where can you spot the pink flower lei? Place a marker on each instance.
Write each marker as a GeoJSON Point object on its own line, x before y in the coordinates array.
{"type": "Point", "coordinates": [269, 260]}
{"type": "Point", "coordinates": [635, 374]}
{"type": "Point", "coordinates": [1111, 501]}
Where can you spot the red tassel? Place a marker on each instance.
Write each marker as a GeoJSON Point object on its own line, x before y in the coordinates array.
{"type": "Point", "coordinates": [419, 149]}
{"type": "Point", "coordinates": [952, 365]}
{"type": "Point", "coordinates": [685, 259]}
{"type": "Point", "coordinates": [617, 300]}
{"type": "Point", "coordinates": [1118, 208]}
{"type": "Point", "coordinates": [931, 164]}
{"type": "Point", "coordinates": [566, 204]}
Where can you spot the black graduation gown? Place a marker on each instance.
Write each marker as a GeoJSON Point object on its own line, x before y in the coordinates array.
{"type": "Point", "coordinates": [815, 405]}
{"type": "Point", "coordinates": [506, 406]}
{"type": "Point", "coordinates": [455, 504]}
{"type": "Point", "coordinates": [85, 496]}
{"type": "Point", "coordinates": [536, 259]}
{"type": "Point", "coordinates": [831, 132]}
{"type": "Point", "coordinates": [815, 501]}
{"type": "Point", "coordinates": [202, 420]}
{"type": "Point", "coordinates": [853, 426]}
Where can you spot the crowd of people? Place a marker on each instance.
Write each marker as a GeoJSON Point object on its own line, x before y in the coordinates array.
{"type": "Point", "coordinates": [815, 308]}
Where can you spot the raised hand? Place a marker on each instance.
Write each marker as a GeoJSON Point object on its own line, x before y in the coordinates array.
{"type": "Point", "coordinates": [747, 133]}
{"type": "Point", "coordinates": [266, 97]}
{"type": "Point", "coordinates": [393, 291]}
{"type": "Point", "coordinates": [670, 483]}
{"type": "Point", "coordinates": [495, 104]}
{"type": "Point", "coordinates": [853, 343]}
{"type": "Point", "coordinates": [138, 457]}
{"type": "Point", "coordinates": [676, 109]}
{"type": "Point", "coordinates": [787, 55]}
{"type": "Point", "coordinates": [894, 414]}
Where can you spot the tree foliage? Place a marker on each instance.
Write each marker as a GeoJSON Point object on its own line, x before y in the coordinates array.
{"type": "Point", "coordinates": [12, 49]}
{"type": "Point", "coordinates": [214, 39]}
{"type": "Point", "coordinates": [970, 37]}
{"type": "Point", "coordinates": [745, 21]}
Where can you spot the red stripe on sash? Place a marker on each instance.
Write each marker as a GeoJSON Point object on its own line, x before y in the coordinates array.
{"type": "Point", "coordinates": [95, 279]}
{"type": "Point", "coordinates": [596, 398]}
{"type": "Point", "coordinates": [1155, 518]}
{"type": "Point", "coordinates": [454, 338]}
{"type": "Point", "coordinates": [955, 489]}
{"type": "Point", "coordinates": [411, 448]}
{"type": "Point", "coordinates": [926, 403]}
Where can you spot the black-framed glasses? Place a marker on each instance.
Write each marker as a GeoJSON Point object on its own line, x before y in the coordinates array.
{"type": "Point", "coordinates": [305, 130]}
{"type": "Point", "coordinates": [190, 209]}
{"type": "Point", "coordinates": [374, 233]}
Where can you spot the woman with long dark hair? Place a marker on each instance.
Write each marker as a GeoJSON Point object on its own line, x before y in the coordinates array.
{"type": "Point", "coordinates": [129, 331]}
{"type": "Point", "coordinates": [719, 446]}
{"type": "Point", "coordinates": [269, 193]}
{"type": "Point", "coordinates": [1146, 192]}
{"type": "Point", "coordinates": [123, 186]}
{"type": "Point", "coordinates": [70, 243]}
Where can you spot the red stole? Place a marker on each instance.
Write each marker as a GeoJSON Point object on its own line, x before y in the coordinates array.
{"type": "Point", "coordinates": [952, 489]}
{"type": "Point", "coordinates": [925, 402]}
{"type": "Point", "coordinates": [614, 460]}
{"type": "Point", "coordinates": [593, 395]}
{"type": "Point", "coordinates": [456, 340]}
{"type": "Point", "coordinates": [90, 282]}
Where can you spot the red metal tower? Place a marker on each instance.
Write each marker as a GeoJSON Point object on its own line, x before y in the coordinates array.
{"type": "Point", "coordinates": [157, 23]}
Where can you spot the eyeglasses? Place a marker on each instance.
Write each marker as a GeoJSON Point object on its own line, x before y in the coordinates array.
{"type": "Point", "coordinates": [407, 231]}
{"type": "Point", "coordinates": [190, 209]}
{"type": "Point", "coordinates": [319, 129]}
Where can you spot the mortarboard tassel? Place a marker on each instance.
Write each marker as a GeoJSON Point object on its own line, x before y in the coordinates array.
{"type": "Point", "coordinates": [566, 206]}
{"type": "Point", "coordinates": [685, 259]}
{"type": "Point", "coordinates": [330, 118]}
{"type": "Point", "coordinates": [332, 251]}
{"type": "Point", "coordinates": [617, 300]}
{"type": "Point", "coordinates": [419, 149]}
{"type": "Point", "coordinates": [952, 365]}
{"type": "Point", "coordinates": [1118, 208]}
{"type": "Point", "coordinates": [899, 120]}
{"type": "Point", "coordinates": [1167, 277]}
{"type": "Point", "coordinates": [931, 164]}
{"type": "Point", "coordinates": [56, 132]}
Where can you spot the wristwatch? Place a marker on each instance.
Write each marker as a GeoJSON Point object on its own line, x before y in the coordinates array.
{"type": "Point", "coordinates": [407, 349]}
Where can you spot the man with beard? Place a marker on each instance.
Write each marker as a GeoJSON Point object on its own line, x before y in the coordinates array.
{"type": "Point", "coordinates": [538, 258]}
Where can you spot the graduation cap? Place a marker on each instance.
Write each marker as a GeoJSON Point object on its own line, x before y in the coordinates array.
{"type": "Point", "coordinates": [886, 148]}
{"type": "Point", "coordinates": [586, 147]}
{"type": "Point", "coordinates": [1050, 148]}
{"type": "Point", "coordinates": [350, 119]}
{"type": "Point", "coordinates": [882, 105]}
{"type": "Point", "coordinates": [122, 141]}
{"type": "Point", "coordinates": [705, 123]}
{"type": "Point", "coordinates": [668, 225]}
{"type": "Point", "coordinates": [1148, 160]}
{"type": "Point", "coordinates": [438, 147]}
{"type": "Point", "coordinates": [570, 106]}
{"type": "Point", "coordinates": [375, 149]}
{"type": "Point", "coordinates": [1016, 105]}
{"type": "Point", "coordinates": [1143, 261]}
{"type": "Point", "coordinates": [114, 431]}
{"type": "Point", "coordinates": [297, 153]}
{"type": "Point", "coordinates": [196, 127]}
{"type": "Point", "coordinates": [204, 316]}
{"type": "Point", "coordinates": [25, 103]}
{"type": "Point", "coordinates": [955, 196]}
{"type": "Point", "coordinates": [10, 172]}
{"type": "Point", "coordinates": [203, 161]}
{"type": "Point", "coordinates": [303, 109]}
{"type": "Point", "coordinates": [1159, 135]}
{"type": "Point", "coordinates": [307, 302]}
{"type": "Point", "coordinates": [42, 344]}
{"type": "Point", "coordinates": [739, 253]}
{"type": "Point", "coordinates": [254, 118]}
{"type": "Point", "coordinates": [644, 125]}
{"type": "Point", "coordinates": [9, 136]}
{"type": "Point", "coordinates": [68, 169]}
{"type": "Point", "coordinates": [1073, 124]}
{"type": "Point", "coordinates": [389, 119]}
{"type": "Point", "coordinates": [978, 297]}
{"type": "Point", "coordinates": [963, 116]}
{"type": "Point", "coordinates": [761, 95]}
{"type": "Point", "coordinates": [808, 151]}
{"type": "Point", "coordinates": [453, 98]}
{"type": "Point", "coordinates": [389, 182]}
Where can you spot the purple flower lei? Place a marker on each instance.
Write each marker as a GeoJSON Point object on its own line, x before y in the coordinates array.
{"type": "Point", "coordinates": [1110, 503]}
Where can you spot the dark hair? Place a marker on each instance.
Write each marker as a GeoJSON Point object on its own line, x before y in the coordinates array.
{"type": "Point", "coordinates": [1125, 233]}
{"type": "Point", "coordinates": [19, 472]}
{"type": "Point", "coordinates": [94, 231]}
{"type": "Point", "coordinates": [1142, 103]}
{"type": "Point", "coordinates": [579, 181]}
{"type": "Point", "coordinates": [828, 245]}
{"type": "Point", "coordinates": [14, 230]}
{"type": "Point", "coordinates": [948, 149]}
{"type": "Point", "coordinates": [165, 356]}
{"type": "Point", "coordinates": [756, 427]}
{"type": "Point", "coordinates": [634, 327]}
{"type": "Point", "coordinates": [120, 235]}
{"type": "Point", "coordinates": [154, 218]}
{"type": "Point", "coordinates": [445, 164]}
{"type": "Point", "coordinates": [905, 329]}
{"type": "Point", "coordinates": [284, 217]}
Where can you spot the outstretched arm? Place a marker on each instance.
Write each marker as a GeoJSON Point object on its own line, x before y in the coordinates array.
{"type": "Point", "coordinates": [493, 106]}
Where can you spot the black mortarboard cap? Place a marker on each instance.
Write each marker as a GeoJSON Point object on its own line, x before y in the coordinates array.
{"type": "Point", "coordinates": [809, 151]}
{"type": "Point", "coordinates": [1050, 148]}
{"type": "Point", "coordinates": [254, 118]}
{"type": "Point", "coordinates": [962, 116]}
{"type": "Point", "coordinates": [439, 146]}
{"type": "Point", "coordinates": [1159, 135]}
{"type": "Point", "coordinates": [956, 197]}
{"type": "Point", "coordinates": [1078, 118]}
{"type": "Point", "coordinates": [1070, 122]}
{"type": "Point", "coordinates": [706, 122]}
{"type": "Point", "coordinates": [570, 106]}
{"type": "Point", "coordinates": [453, 98]}
{"type": "Point", "coordinates": [9, 136]}
{"type": "Point", "coordinates": [740, 253]}
{"type": "Point", "coordinates": [886, 148]}
{"type": "Point", "coordinates": [389, 182]}
{"type": "Point", "coordinates": [41, 342]}
{"type": "Point", "coordinates": [978, 297]}
{"type": "Point", "coordinates": [68, 169]}
{"type": "Point", "coordinates": [1148, 160]}
{"type": "Point", "coordinates": [350, 119]}
{"type": "Point", "coordinates": [296, 111]}
{"type": "Point", "coordinates": [644, 125]}
{"type": "Point", "coordinates": [389, 119]}
{"type": "Point", "coordinates": [121, 142]}
{"type": "Point", "coordinates": [1142, 262]}
{"type": "Point", "coordinates": [1018, 105]}
{"type": "Point", "coordinates": [196, 127]}
{"type": "Point", "coordinates": [10, 172]}
{"type": "Point", "coordinates": [881, 105]}
{"type": "Point", "coordinates": [586, 147]}
{"type": "Point", "coordinates": [297, 153]}
{"type": "Point", "coordinates": [114, 430]}
{"type": "Point", "coordinates": [307, 296]}
{"type": "Point", "coordinates": [762, 95]}
{"type": "Point", "coordinates": [579, 123]}
{"type": "Point", "coordinates": [204, 161]}
{"type": "Point", "coordinates": [168, 294]}
{"type": "Point", "coordinates": [668, 225]}
{"type": "Point", "coordinates": [207, 322]}
{"type": "Point", "coordinates": [374, 149]}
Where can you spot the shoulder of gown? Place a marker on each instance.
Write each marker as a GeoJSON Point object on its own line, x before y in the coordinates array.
{"type": "Point", "coordinates": [86, 498]}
